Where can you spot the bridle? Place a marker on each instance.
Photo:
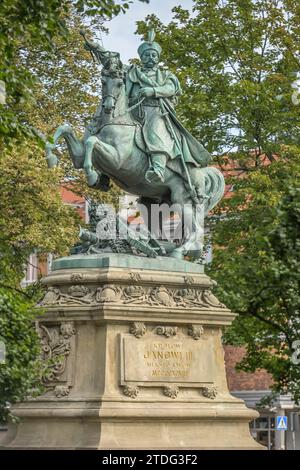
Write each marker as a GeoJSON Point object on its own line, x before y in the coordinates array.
{"type": "Point", "coordinates": [128, 109]}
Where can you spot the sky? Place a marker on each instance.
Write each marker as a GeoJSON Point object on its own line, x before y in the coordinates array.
{"type": "Point", "coordinates": [121, 37]}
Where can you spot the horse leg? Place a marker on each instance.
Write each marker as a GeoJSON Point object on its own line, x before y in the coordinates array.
{"type": "Point", "coordinates": [192, 216]}
{"type": "Point", "coordinates": [75, 146]}
{"type": "Point", "coordinates": [107, 153]}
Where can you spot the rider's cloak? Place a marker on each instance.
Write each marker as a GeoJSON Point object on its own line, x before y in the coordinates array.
{"type": "Point", "coordinates": [162, 130]}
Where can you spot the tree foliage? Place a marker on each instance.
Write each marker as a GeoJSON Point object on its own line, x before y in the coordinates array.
{"type": "Point", "coordinates": [257, 264]}
{"type": "Point", "coordinates": [31, 23]}
{"type": "Point", "coordinates": [20, 373]}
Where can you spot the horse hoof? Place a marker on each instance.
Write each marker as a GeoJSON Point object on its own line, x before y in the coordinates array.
{"type": "Point", "coordinates": [52, 161]}
{"type": "Point", "coordinates": [178, 254]}
{"type": "Point", "coordinates": [92, 178]}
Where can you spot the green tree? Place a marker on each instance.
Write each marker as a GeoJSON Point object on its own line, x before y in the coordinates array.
{"type": "Point", "coordinates": [20, 372]}
{"type": "Point", "coordinates": [256, 262]}
{"type": "Point", "coordinates": [32, 215]}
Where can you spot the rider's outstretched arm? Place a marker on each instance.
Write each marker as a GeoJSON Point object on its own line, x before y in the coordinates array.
{"type": "Point", "coordinates": [95, 48]}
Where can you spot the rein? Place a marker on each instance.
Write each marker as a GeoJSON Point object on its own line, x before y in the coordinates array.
{"type": "Point", "coordinates": [128, 109]}
{"type": "Point", "coordinates": [112, 123]}
{"type": "Point", "coordinates": [131, 108]}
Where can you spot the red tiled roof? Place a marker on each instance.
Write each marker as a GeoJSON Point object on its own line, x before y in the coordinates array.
{"type": "Point", "coordinates": [70, 198]}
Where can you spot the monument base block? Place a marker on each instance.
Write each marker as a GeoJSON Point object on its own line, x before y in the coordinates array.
{"type": "Point", "coordinates": [135, 360]}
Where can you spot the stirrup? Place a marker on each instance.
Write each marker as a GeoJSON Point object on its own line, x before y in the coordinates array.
{"type": "Point", "coordinates": [154, 176]}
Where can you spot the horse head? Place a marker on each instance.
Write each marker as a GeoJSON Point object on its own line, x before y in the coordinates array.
{"type": "Point", "coordinates": [112, 84]}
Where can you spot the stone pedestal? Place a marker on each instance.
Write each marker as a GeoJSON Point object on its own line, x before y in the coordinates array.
{"type": "Point", "coordinates": [136, 360]}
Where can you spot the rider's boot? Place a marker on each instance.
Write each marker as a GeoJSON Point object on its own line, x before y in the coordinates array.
{"type": "Point", "coordinates": [156, 172]}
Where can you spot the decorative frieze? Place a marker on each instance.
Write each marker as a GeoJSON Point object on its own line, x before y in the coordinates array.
{"type": "Point", "coordinates": [54, 296]}
{"type": "Point", "coordinates": [161, 296]}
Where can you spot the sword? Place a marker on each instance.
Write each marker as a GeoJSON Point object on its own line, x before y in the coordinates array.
{"type": "Point", "coordinates": [82, 33]}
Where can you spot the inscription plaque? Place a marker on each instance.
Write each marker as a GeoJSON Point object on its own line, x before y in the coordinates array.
{"type": "Point", "coordinates": [152, 361]}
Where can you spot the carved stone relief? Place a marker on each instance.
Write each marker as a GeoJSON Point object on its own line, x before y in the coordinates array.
{"type": "Point", "coordinates": [138, 329]}
{"type": "Point", "coordinates": [57, 344]}
{"type": "Point", "coordinates": [210, 392]}
{"type": "Point", "coordinates": [131, 391]}
{"type": "Point", "coordinates": [136, 277]}
{"type": "Point", "coordinates": [76, 277]}
{"type": "Point", "coordinates": [167, 331]}
{"type": "Point", "coordinates": [171, 391]}
{"type": "Point", "coordinates": [196, 331]}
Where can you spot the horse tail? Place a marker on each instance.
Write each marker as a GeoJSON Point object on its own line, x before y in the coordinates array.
{"type": "Point", "coordinates": [214, 187]}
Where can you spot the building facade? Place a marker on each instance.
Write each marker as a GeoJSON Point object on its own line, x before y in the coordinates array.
{"type": "Point", "coordinates": [252, 388]}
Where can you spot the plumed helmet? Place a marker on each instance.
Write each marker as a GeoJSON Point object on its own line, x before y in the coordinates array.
{"type": "Point", "coordinates": [149, 44]}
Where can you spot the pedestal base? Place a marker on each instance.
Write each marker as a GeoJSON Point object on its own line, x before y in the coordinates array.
{"type": "Point", "coordinates": [136, 361]}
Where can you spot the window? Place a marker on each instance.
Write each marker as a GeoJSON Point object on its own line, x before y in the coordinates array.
{"type": "Point", "coordinates": [49, 262]}
{"type": "Point", "coordinates": [31, 273]}
{"type": "Point", "coordinates": [263, 431]}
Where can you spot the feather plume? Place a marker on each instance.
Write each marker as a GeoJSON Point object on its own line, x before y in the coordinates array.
{"type": "Point", "coordinates": [151, 35]}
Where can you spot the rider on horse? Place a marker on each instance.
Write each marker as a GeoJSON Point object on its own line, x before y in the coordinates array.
{"type": "Point", "coordinates": [164, 135]}
{"type": "Point", "coordinates": [170, 167]}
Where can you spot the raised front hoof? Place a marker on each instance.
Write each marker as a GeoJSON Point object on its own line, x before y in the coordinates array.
{"type": "Point", "coordinates": [51, 161]}
{"type": "Point", "coordinates": [92, 178]}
